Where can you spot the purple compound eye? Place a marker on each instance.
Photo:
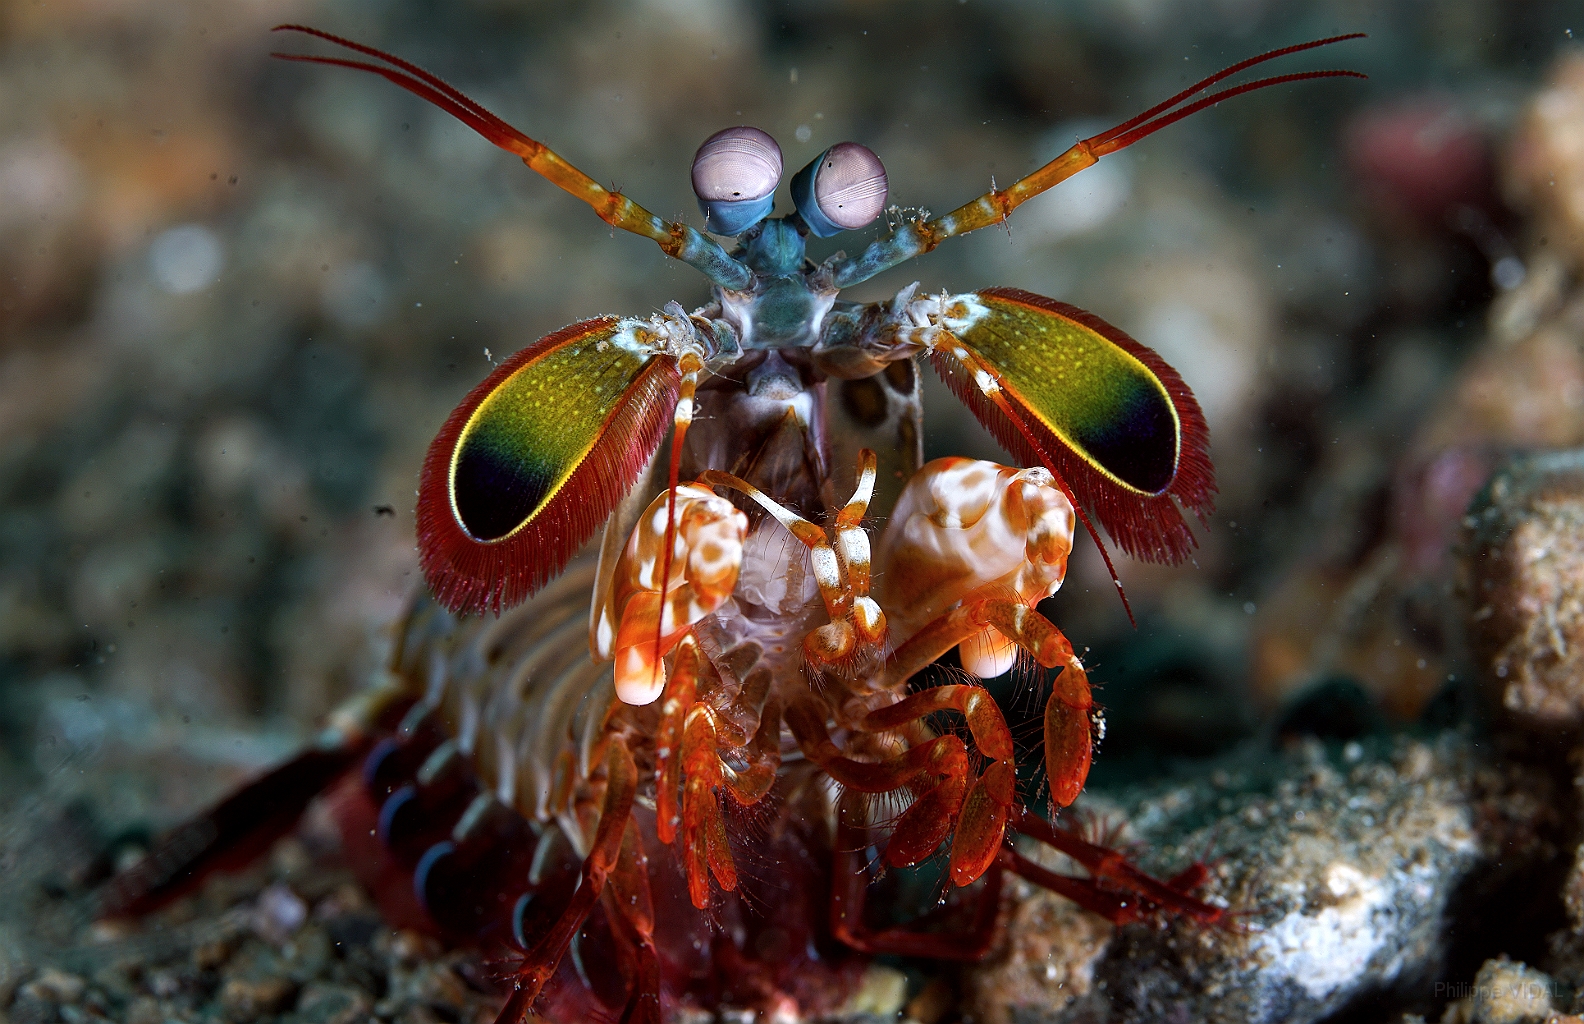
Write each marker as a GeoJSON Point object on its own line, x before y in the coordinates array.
{"type": "Point", "coordinates": [842, 189]}
{"type": "Point", "coordinates": [735, 174]}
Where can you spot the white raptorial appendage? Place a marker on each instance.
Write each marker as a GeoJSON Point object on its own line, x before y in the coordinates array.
{"type": "Point", "coordinates": [841, 570]}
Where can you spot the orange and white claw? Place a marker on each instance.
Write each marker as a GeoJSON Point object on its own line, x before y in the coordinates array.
{"type": "Point", "coordinates": [645, 617]}
{"type": "Point", "coordinates": [966, 529]}
{"type": "Point", "coordinates": [869, 622]}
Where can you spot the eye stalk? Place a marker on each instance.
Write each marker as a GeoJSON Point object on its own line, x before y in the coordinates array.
{"type": "Point", "coordinates": [842, 189]}
{"type": "Point", "coordinates": [735, 174]}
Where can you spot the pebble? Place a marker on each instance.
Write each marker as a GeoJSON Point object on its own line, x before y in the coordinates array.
{"type": "Point", "coordinates": [332, 1004]}
{"type": "Point", "coordinates": [279, 912]}
{"type": "Point", "coordinates": [1524, 570]}
{"type": "Point", "coordinates": [1505, 992]}
{"type": "Point", "coordinates": [54, 986]}
{"type": "Point", "coordinates": [244, 1000]}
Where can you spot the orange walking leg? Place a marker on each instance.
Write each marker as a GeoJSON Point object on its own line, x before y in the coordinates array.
{"type": "Point", "coordinates": [1116, 889]}
{"type": "Point", "coordinates": [983, 818]}
{"type": "Point", "coordinates": [1069, 730]}
{"type": "Point", "coordinates": [691, 775]}
{"type": "Point", "coordinates": [680, 693]}
{"type": "Point", "coordinates": [850, 879]}
{"type": "Point", "coordinates": [705, 849]}
{"type": "Point", "coordinates": [936, 771]}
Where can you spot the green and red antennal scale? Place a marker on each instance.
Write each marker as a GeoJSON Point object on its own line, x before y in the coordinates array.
{"type": "Point", "coordinates": [498, 518]}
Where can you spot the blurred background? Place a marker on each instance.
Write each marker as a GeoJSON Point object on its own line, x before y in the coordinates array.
{"type": "Point", "coordinates": [238, 297]}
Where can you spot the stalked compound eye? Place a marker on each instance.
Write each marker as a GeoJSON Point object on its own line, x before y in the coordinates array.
{"type": "Point", "coordinates": [735, 174]}
{"type": "Point", "coordinates": [842, 189]}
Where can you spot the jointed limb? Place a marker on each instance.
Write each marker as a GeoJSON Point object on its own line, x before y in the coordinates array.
{"type": "Point", "coordinates": [1069, 729]}
{"type": "Point", "coordinates": [763, 753]}
{"type": "Point", "coordinates": [680, 693]}
{"type": "Point", "coordinates": [675, 239]}
{"type": "Point", "coordinates": [1115, 888]}
{"type": "Point", "coordinates": [688, 760]}
{"type": "Point", "coordinates": [705, 850]}
{"type": "Point", "coordinates": [919, 237]}
{"type": "Point", "coordinates": [841, 569]}
{"type": "Point", "coordinates": [632, 915]}
{"type": "Point", "coordinates": [936, 771]}
{"type": "Point", "coordinates": [850, 879]}
{"type": "Point", "coordinates": [540, 963]}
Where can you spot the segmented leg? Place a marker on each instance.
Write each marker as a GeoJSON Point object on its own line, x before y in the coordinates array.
{"type": "Point", "coordinates": [680, 693]}
{"type": "Point", "coordinates": [935, 770]}
{"type": "Point", "coordinates": [705, 849]}
{"type": "Point", "coordinates": [981, 821]}
{"type": "Point", "coordinates": [749, 784]}
{"type": "Point", "coordinates": [540, 963]}
{"type": "Point", "coordinates": [841, 569]}
{"type": "Point", "coordinates": [1116, 889]}
{"type": "Point", "coordinates": [688, 760]}
{"type": "Point", "coordinates": [1069, 729]}
{"type": "Point", "coordinates": [680, 564]}
{"type": "Point", "coordinates": [632, 912]}
{"type": "Point", "coordinates": [849, 883]}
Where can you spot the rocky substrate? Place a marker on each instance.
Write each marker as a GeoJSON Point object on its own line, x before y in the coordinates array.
{"type": "Point", "coordinates": [1353, 873]}
{"type": "Point", "coordinates": [1359, 876]}
{"type": "Point", "coordinates": [291, 939]}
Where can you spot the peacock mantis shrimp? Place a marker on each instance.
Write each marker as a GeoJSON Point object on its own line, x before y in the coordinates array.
{"type": "Point", "coordinates": [752, 637]}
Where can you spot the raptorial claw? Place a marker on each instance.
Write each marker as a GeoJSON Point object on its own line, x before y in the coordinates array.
{"type": "Point", "coordinates": [964, 530]}
{"type": "Point", "coordinates": [641, 620]}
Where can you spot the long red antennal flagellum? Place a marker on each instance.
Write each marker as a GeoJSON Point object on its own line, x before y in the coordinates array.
{"type": "Point", "coordinates": [415, 80]}
{"type": "Point", "coordinates": [916, 238]}
{"type": "Point", "coordinates": [1108, 142]}
{"type": "Point", "coordinates": [675, 239]}
{"type": "Point", "coordinates": [1127, 518]}
{"type": "Point", "coordinates": [1228, 72]}
{"type": "Point", "coordinates": [1105, 556]}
